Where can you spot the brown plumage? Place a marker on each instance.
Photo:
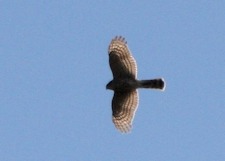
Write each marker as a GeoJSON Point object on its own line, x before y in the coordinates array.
{"type": "Point", "coordinates": [125, 84]}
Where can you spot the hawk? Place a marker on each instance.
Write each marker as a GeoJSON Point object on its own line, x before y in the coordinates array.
{"type": "Point", "coordinates": [125, 84]}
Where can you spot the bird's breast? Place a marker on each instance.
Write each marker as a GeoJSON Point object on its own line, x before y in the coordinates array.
{"type": "Point", "coordinates": [125, 84]}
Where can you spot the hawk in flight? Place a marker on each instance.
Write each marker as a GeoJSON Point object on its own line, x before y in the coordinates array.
{"type": "Point", "coordinates": [125, 84]}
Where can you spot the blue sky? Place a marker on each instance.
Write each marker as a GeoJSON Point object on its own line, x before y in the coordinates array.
{"type": "Point", "coordinates": [54, 68]}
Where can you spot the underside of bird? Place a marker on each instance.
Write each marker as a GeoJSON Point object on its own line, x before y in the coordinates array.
{"type": "Point", "coordinates": [124, 84]}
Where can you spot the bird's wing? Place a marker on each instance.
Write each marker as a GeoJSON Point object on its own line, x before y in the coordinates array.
{"type": "Point", "coordinates": [121, 61]}
{"type": "Point", "coordinates": [124, 106]}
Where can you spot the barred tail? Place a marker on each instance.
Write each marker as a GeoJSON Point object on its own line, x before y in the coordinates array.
{"type": "Point", "coordinates": [154, 83]}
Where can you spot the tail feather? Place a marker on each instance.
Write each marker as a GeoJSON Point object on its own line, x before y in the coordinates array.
{"type": "Point", "coordinates": [154, 83]}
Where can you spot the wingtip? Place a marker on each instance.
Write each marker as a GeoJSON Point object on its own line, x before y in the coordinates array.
{"type": "Point", "coordinates": [119, 38]}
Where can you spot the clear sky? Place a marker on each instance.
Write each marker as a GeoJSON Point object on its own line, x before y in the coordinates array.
{"type": "Point", "coordinates": [54, 68]}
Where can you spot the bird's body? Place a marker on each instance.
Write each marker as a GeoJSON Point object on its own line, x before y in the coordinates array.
{"type": "Point", "coordinates": [122, 84]}
{"type": "Point", "coordinates": [125, 84]}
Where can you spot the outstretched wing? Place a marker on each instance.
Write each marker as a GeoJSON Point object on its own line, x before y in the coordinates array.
{"type": "Point", "coordinates": [122, 63]}
{"type": "Point", "coordinates": [124, 106]}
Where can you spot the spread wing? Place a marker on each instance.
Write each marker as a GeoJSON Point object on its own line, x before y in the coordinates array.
{"type": "Point", "coordinates": [124, 106]}
{"type": "Point", "coordinates": [121, 61]}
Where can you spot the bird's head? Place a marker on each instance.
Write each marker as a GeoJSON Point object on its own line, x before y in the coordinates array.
{"type": "Point", "coordinates": [110, 85]}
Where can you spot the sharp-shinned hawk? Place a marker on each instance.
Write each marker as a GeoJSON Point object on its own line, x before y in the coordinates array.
{"type": "Point", "coordinates": [125, 84]}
